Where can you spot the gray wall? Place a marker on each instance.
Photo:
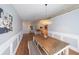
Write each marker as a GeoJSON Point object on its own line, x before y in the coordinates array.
{"type": "Point", "coordinates": [17, 23]}
{"type": "Point", "coordinates": [66, 23]}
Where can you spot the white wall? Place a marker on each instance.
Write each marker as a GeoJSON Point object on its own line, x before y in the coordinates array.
{"type": "Point", "coordinates": [66, 26]}
{"type": "Point", "coordinates": [67, 23]}
{"type": "Point", "coordinates": [17, 23]}
{"type": "Point", "coordinates": [26, 26]}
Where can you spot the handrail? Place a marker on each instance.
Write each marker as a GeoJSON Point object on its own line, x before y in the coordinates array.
{"type": "Point", "coordinates": [62, 35]}
{"type": "Point", "coordinates": [65, 35]}
{"type": "Point", "coordinates": [9, 43]}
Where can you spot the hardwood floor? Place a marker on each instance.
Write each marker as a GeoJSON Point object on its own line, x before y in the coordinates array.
{"type": "Point", "coordinates": [23, 47]}
{"type": "Point", "coordinates": [71, 52]}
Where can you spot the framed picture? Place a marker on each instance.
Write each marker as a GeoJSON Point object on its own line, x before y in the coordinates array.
{"type": "Point", "coordinates": [5, 22]}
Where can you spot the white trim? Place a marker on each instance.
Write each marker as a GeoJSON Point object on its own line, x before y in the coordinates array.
{"type": "Point", "coordinates": [18, 43]}
{"type": "Point", "coordinates": [17, 47]}
{"type": "Point", "coordinates": [38, 49]}
{"type": "Point", "coordinates": [65, 48]}
{"type": "Point", "coordinates": [9, 43]}
{"type": "Point", "coordinates": [76, 50]}
{"type": "Point", "coordinates": [72, 36]}
{"type": "Point", "coordinates": [29, 48]}
{"type": "Point", "coordinates": [59, 52]}
{"type": "Point", "coordinates": [3, 47]}
{"type": "Point", "coordinates": [35, 46]}
{"type": "Point", "coordinates": [78, 44]}
{"type": "Point", "coordinates": [11, 48]}
{"type": "Point", "coordinates": [65, 34]}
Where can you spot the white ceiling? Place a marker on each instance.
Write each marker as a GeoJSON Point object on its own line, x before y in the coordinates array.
{"type": "Point", "coordinates": [38, 11]}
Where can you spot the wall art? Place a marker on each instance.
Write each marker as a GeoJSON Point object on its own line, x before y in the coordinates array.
{"type": "Point", "coordinates": [5, 22]}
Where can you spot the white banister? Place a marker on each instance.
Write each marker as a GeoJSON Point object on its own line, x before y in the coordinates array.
{"type": "Point", "coordinates": [11, 48]}
{"type": "Point", "coordinates": [9, 43]}
{"type": "Point", "coordinates": [61, 38]}
{"type": "Point", "coordinates": [66, 35]}
{"type": "Point", "coordinates": [78, 44]}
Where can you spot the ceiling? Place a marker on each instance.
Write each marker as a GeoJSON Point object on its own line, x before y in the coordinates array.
{"type": "Point", "coordinates": [33, 12]}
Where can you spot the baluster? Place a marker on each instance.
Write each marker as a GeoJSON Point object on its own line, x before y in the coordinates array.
{"type": "Point", "coordinates": [11, 48]}
{"type": "Point", "coordinates": [67, 51]}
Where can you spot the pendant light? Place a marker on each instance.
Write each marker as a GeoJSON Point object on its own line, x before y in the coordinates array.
{"type": "Point", "coordinates": [45, 21]}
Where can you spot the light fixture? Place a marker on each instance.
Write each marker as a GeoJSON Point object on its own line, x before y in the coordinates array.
{"type": "Point", "coordinates": [46, 4]}
{"type": "Point", "coordinates": [45, 21]}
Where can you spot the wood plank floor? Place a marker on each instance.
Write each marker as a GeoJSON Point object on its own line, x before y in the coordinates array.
{"type": "Point", "coordinates": [71, 52]}
{"type": "Point", "coordinates": [23, 47]}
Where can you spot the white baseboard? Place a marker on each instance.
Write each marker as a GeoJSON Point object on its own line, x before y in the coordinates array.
{"type": "Point", "coordinates": [16, 48]}
{"type": "Point", "coordinates": [9, 43]}
{"type": "Point", "coordinates": [17, 45]}
{"type": "Point", "coordinates": [76, 50]}
{"type": "Point", "coordinates": [68, 35]}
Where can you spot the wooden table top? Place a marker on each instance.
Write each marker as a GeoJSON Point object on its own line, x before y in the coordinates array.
{"type": "Point", "coordinates": [51, 45]}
